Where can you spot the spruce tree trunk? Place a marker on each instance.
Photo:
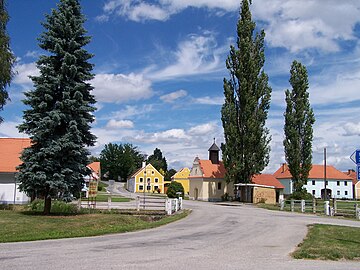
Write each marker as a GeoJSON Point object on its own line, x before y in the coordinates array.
{"type": "Point", "coordinates": [47, 205]}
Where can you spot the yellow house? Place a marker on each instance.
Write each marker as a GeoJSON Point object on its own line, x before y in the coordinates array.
{"type": "Point", "coordinates": [146, 179]}
{"type": "Point", "coordinates": [182, 176]}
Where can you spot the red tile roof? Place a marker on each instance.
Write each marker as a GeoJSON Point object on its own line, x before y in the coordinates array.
{"type": "Point", "coordinates": [10, 151]}
{"type": "Point", "coordinates": [95, 166]}
{"type": "Point", "coordinates": [316, 172]}
{"type": "Point", "coordinates": [266, 180]}
{"type": "Point", "coordinates": [211, 170]}
{"type": "Point", "coordinates": [352, 175]}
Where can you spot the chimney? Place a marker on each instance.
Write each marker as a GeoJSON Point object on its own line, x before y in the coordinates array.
{"type": "Point", "coordinates": [143, 164]}
{"type": "Point", "coordinates": [283, 168]}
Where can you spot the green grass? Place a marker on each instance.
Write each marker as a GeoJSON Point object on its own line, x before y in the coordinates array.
{"type": "Point", "coordinates": [328, 242]}
{"type": "Point", "coordinates": [114, 198]}
{"type": "Point", "coordinates": [102, 186]}
{"type": "Point", "coordinates": [25, 226]}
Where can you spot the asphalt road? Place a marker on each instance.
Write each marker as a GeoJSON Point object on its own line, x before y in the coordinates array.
{"type": "Point", "coordinates": [212, 237]}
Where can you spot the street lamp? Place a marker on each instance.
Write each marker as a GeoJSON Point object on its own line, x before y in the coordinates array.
{"type": "Point", "coordinates": [144, 184]}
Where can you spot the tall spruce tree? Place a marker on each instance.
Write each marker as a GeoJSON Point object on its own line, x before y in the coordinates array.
{"type": "Point", "coordinates": [299, 119]}
{"type": "Point", "coordinates": [60, 113]}
{"type": "Point", "coordinates": [247, 101]}
{"type": "Point", "coordinates": [7, 58]}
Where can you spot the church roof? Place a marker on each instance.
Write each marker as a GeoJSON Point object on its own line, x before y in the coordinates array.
{"type": "Point", "coordinates": [214, 147]}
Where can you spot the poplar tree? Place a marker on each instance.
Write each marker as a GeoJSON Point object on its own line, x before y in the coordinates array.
{"type": "Point", "coordinates": [247, 101]}
{"type": "Point", "coordinates": [7, 58]}
{"type": "Point", "coordinates": [61, 106]}
{"type": "Point", "coordinates": [299, 119]}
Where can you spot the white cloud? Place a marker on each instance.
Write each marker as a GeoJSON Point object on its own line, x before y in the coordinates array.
{"type": "Point", "coordinates": [204, 129]}
{"type": "Point", "coordinates": [199, 54]}
{"type": "Point", "coordinates": [169, 98]}
{"type": "Point", "coordinates": [161, 10]}
{"type": "Point", "coordinates": [23, 71]}
{"type": "Point", "coordinates": [209, 100]}
{"type": "Point", "coordinates": [9, 129]}
{"type": "Point", "coordinates": [352, 129]}
{"type": "Point", "coordinates": [114, 124]}
{"type": "Point", "coordinates": [298, 25]}
{"type": "Point", "coordinates": [32, 54]}
{"type": "Point", "coordinates": [118, 88]}
{"type": "Point", "coordinates": [128, 112]}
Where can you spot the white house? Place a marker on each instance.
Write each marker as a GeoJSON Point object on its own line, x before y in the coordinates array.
{"type": "Point", "coordinates": [10, 151]}
{"type": "Point", "coordinates": [338, 184]}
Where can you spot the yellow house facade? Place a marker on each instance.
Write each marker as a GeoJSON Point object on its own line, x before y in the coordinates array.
{"type": "Point", "coordinates": [146, 179]}
{"type": "Point", "coordinates": [182, 176]}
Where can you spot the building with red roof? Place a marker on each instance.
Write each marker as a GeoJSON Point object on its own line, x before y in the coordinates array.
{"type": "Point", "coordinates": [206, 182]}
{"type": "Point", "coordinates": [10, 152]}
{"type": "Point", "coordinates": [338, 184]}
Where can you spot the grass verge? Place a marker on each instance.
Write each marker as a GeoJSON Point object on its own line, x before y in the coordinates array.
{"type": "Point", "coordinates": [330, 242]}
{"type": "Point", "coordinates": [23, 226]}
{"type": "Point", "coordinates": [114, 198]}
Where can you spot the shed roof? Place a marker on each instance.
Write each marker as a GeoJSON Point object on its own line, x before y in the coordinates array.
{"type": "Point", "coordinates": [10, 152]}
{"type": "Point", "coordinates": [266, 180]}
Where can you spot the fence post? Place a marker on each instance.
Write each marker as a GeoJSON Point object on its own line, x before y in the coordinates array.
{"type": "Point", "coordinates": [292, 205]}
{"type": "Point", "coordinates": [168, 206]}
{"type": "Point", "coordinates": [326, 208]}
{"type": "Point", "coordinates": [357, 211]}
{"type": "Point", "coordinates": [137, 203]}
{"type": "Point", "coordinates": [180, 203]}
{"type": "Point", "coordinates": [282, 204]}
{"type": "Point", "coordinates": [314, 205]}
{"type": "Point", "coordinates": [109, 202]}
{"type": "Point", "coordinates": [335, 205]}
{"type": "Point", "coordinates": [302, 206]}
{"type": "Point", "coordinates": [177, 205]}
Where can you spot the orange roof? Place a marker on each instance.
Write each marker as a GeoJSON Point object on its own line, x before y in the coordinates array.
{"type": "Point", "coordinates": [95, 166]}
{"type": "Point", "coordinates": [211, 170]}
{"type": "Point", "coordinates": [316, 172]}
{"type": "Point", "coordinates": [266, 180]}
{"type": "Point", "coordinates": [10, 151]}
{"type": "Point", "coordinates": [352, 174]}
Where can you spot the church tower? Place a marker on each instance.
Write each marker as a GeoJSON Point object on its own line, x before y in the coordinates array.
{"type": "Point", "coordinates": [214, 153]}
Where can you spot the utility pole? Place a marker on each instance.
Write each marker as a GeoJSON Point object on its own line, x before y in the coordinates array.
{"type": "Point", "coordinates": [325, 182]}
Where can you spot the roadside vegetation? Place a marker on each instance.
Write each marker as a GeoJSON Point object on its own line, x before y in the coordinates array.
{"type": "Point", "coordinates": [65, 222]}
{"type": "Point", "coordinates": [329, 242]}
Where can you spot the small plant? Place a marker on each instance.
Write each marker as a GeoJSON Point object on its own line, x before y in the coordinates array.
{"type": "Point", "coordinates": [225, 197]}
{"type": "Point", "coordinates": [57, 207]}
{"type": "Point", "coordinates": [175, 188]}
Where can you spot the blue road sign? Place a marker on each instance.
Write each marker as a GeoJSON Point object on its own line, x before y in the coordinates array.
{"type": "Point", "coordinates": [355, 157]}
{"type": "Point", "coordinates": [358, 172]}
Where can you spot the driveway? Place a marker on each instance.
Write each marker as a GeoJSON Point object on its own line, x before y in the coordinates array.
{"type": "Point", "coordinates": [212, 237]}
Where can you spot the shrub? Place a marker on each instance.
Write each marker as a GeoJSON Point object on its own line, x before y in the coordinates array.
{"type": "Point", "coordinates": [173, 188]}
{"type": "Point", "coordinates": [57, 207]}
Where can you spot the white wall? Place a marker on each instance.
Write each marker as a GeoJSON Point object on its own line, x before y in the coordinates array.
{"type": "Point", "coordinates": [7, 189]}
{"type": "Point", "coordinates": [337, 191]}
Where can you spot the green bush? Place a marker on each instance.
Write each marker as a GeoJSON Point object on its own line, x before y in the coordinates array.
{"type": "Point", "coordinates": [173, 188]}
{"type": "Point", "coordinates": [57, 207]}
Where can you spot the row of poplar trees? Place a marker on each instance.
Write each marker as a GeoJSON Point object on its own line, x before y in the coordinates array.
{"type": "Point", "coordinates": [245, 110]}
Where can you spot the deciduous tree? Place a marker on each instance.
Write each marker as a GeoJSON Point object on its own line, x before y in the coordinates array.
{"type": "Point", "coordinates": [7, 58]}
{"type": "Point", "coordinates": [247, 101]}
{"type": "Point", "coordinates": [299, 119]}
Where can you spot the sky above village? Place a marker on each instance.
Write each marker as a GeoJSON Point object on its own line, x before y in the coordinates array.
{"type": "Point", "coordinates": [159, 69]}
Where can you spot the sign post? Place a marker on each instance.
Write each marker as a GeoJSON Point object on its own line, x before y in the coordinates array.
{"type": "Point", "coordinates": [355, 157]}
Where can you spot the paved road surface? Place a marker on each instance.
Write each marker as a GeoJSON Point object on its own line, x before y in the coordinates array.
{"type": "Point", "coordinates": [212, 237]}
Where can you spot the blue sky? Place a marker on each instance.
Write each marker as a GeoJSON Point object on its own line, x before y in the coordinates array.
{"type": "Point", "coordinates": [159, 67]}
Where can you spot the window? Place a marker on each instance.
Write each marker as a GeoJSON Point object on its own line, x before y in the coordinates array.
{"type": "Point", "coordinates": [156, 187]}
{"type": "Point", "coordinates": [219, 185]}
{"type": "Point", "coordinates": [148, 187]}
{"type": "Point", "coordinates": [148, 181]}
{"type": "Point", "coordinates": [345, 183]}
{"type": "Point", "coordinates": [156, 180]}
{"type": "Point", "coordinates": [338, 183]}
{"type": "Point", "coordinates": [141, 179]}
{"type": "Point", "coordinates": [346, 193]}
{"type": "Point", "coordinates": [152, 172]}
{"type": "Point", "coordinates": [338, 192]}
{"type": "Point", "coordinates": [141, 187]}
{"type": "Point", "coordinates": [313, 192]}
{"type": "Point", "coordinates": [313, 182]}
